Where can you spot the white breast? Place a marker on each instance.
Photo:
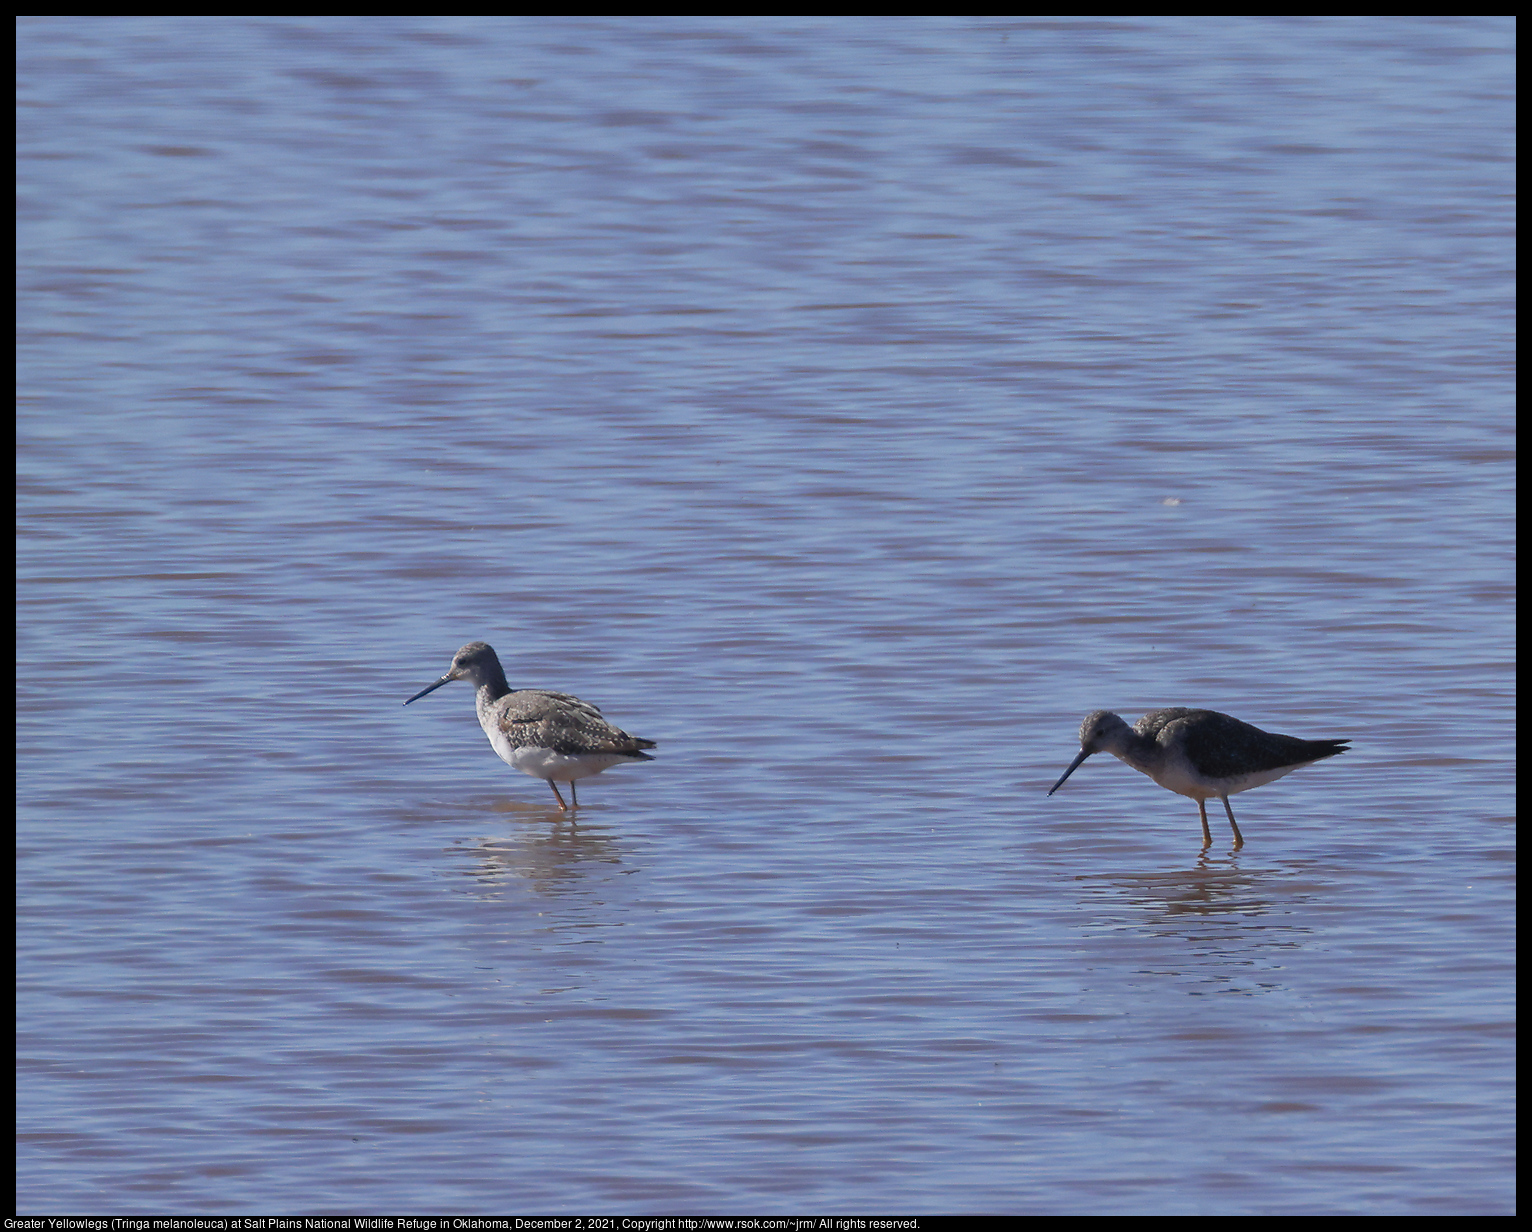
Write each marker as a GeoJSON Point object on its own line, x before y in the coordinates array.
{"type": "Point", "coordinates": [543, 763]}
{"type": "Point", "coordinates": [1175, 774]}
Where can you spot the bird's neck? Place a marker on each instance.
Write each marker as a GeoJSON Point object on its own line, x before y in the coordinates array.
{"type": "Point", "coordinates": [1139, 751]}
{"type": "Point", "coordinates": [493, 689]}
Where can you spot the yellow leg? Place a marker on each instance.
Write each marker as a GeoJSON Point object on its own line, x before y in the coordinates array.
{"type": "Point", "coordinates": [1239, 839]}
{"type": "Point", "coordinates": [1207, 835]}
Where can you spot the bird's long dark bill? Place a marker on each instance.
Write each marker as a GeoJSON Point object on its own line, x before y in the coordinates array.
{"type": "Point", "coordinates": [1084, 753]}
{"type": "Point", "coordinates": [449, 680]}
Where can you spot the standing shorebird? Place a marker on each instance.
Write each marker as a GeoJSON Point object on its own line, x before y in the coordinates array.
{"type": "Point", "coordinates": [550, 736]}
{"type": "Point", "coordinates": [1199, 753]}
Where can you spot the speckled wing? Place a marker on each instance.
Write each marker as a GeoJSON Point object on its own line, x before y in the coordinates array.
{"type": "Point", "coordinates": [565, 724]}
{"type": "Point", "coordinates": [1221, 746]}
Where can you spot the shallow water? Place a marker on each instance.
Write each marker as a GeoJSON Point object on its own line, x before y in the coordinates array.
{"type": "Point", "coordinates": [849, 408]}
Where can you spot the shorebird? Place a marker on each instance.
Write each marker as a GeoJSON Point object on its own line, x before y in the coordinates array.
{"type": "Point", "coordinates": [1199, 753]}
{"type": "Point", "coordinates": [550, 736]}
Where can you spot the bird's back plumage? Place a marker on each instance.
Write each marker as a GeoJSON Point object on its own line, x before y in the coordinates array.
{"type": "Point", "coordinates": [563, 723]}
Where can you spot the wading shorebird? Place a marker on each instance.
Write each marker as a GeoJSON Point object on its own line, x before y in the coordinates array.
{"type": "Point", "coordinates": [550, 736]}
{"type": "Point", "coordinates": [1199, 753]}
